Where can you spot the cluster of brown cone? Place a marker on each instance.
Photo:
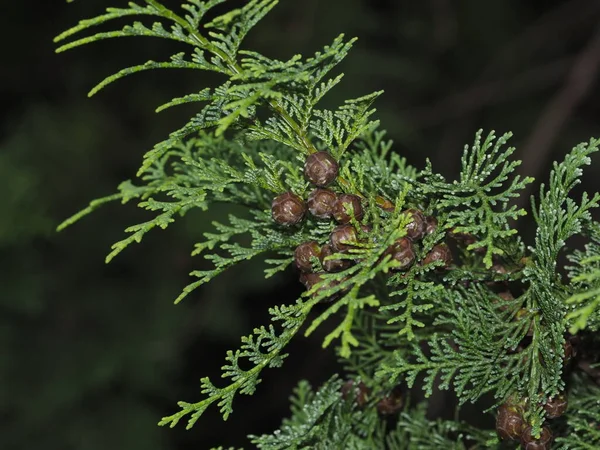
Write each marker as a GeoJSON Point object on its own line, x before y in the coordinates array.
{"type": "Point", "coordinates": [289, 209]}
{"type": "Point", "coordinates": [511, 425]}
{"type": "Point", "coordinates": [346, 236]}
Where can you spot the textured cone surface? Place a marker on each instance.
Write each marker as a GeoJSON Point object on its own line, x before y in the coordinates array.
{"type": "Point", "coordinates": [509, 423]}
{"type": "Point", "coordinates": [332, 265]}
{"type": "Point", "coordinates": [431, 224]}
{"type": "Point", "coordinates": [390, 404]}
{"type": "Point", "coordinates": [288, 209]}
{"type": "Point", "coordinates": [417, 227]}
{"type": "Point", "coordinates": [403, 252]}
{"type": "Point", "coordinates": [362, 392]}
{"type": "Point", "coordinates": [321, 169]}
{"type": "Point", "coordinates": [440, 252]}
{"type": "Point", "coordinates": [321, 203]}
{"type": "Point", "coordinates": [343, 237]}
{"type": "Point", "coordinates": [465, 239]}
{"type": "Point", "coordinates": [528, 442]}
{"type": "Point", "coordinates": [310, 279]}
{"type": "Point", "coordinates": [346, 202]}
{"type": "Point", "coordinates": [304, 254]}
{"type": "Point", "coordinates": [556, 407]}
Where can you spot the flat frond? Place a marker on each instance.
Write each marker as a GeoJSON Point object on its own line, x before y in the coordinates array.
{"type": "Point", "coordinates": [264, 348]}
{"type": "Point", "coordinates": [478, 203]}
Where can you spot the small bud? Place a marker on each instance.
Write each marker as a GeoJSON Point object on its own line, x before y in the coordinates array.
{"type": "Point", "coordinates": [310, 279]}
{"type": "Point", "coordinates": [346, 202]}
{"type": "Point", "coordinates": [390, 404]}
{"type": "Point", "coordinates": [431, 224]}
{"type": "Point", "coordinates": [332, 265]}
{"type": "Point", "coordinates": [321, 169]}
{"type": "Point", "coordinates": [416, 228]}
{"type": "Point", "coordinates": [440, 252]}
{"type": "Point", "coordinates": [321, 203]}
{"type": "Point", "coordinates": [343, 237]}
{"type": "Point", "coordinates": [509, 422]}
{"type": "Point", "coordinates": [528, 442]}
{"type": "Point", "coordinates": [304, 254]}
{"type": "Point", "coordinates": [465, 239]}
{"type": "Point", "coordinates": [362, 392]}
{"type": "Point", "coordinates": [288, 209]}
{"type": "Point", "coordinates": [403, 252]}
{"type": "Point", "coordinates": [556, 406]}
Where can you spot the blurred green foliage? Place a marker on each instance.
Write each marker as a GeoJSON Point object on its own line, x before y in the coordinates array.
{"type": "Point", "coordinates": [93, 355]}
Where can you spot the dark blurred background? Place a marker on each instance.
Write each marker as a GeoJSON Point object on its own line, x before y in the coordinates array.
{"type": "Point", "coordinates": [92, 355]}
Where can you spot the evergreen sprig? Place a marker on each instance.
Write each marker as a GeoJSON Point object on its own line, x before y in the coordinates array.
{"type": "Point", "coordinates": [455, 323]}
{"type": "Point", "coordinates": [585, 278]}
{"type": "Point", "coordinates": [263, 348]}
{"type": "Point", "coordinates": [583, 417]}
{"type": "Point", "coordinates": [478, 203]}
{"type": "Point", "coordinates": [323, 420]}
{"type": "Point", "coordinates": [471, 358]}
{"type": "Point", "coordinates": [415, 431]}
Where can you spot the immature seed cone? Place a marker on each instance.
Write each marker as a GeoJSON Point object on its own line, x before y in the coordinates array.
{"type": "Point", "coordinates": [403, 252]}
{"type": "Point", "coordinates": [431, 224]}
{"type": "Point", "coordinates": [362, 393]}
{"type": "Point", "coordinates": [321, 202]}
{"type": "Point", "coordinates": [344, 202]}
{"type": "Point", "coordinates": [288, 209]}
{"type": "Point", "coordinates": [304, 253]}
{"type": "Point", "coordinates": [556, 406]}
{"type": "Point", "coordinates": [509, 422]}
{"type": "Point", "coordinates": [440, 252]}
{"type": "Point", "coordinates": [390, 404]}
{"type": "Point", "coordinates": [332, 265]}
{"type": "Point", "coordinates": [465, 239]}
{"type": "Point", "coordinates": [528, 442]}
{"type": "Point", "coordinates": [415, 229]}
{"type": "Point", "coordinates": [310, 279]}
{"type": "Point", "coordinates": [321, 169]}
{"type": "Point", "coordinates": [343, 237]}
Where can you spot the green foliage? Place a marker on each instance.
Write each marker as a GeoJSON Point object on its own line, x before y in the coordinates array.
{"type": "Point", "coordinates": [472, 358]}
{"type": "Point", "coordinates": [583, 417]}
{"type": "Point", "coordinates": [415, 431]}
{"type": "Point", "coordinates": [456, 324]}
{"type": "Point", "coordinates": [323, 420]}
{"type": "Point", "coordinates": [262, 349]}
{"type": "Point", "coordinates": [478, 203]}
{"type": "Point", "coordinates": [479, 359]}
{"type": "Point", "coordinates": [585, 277]}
